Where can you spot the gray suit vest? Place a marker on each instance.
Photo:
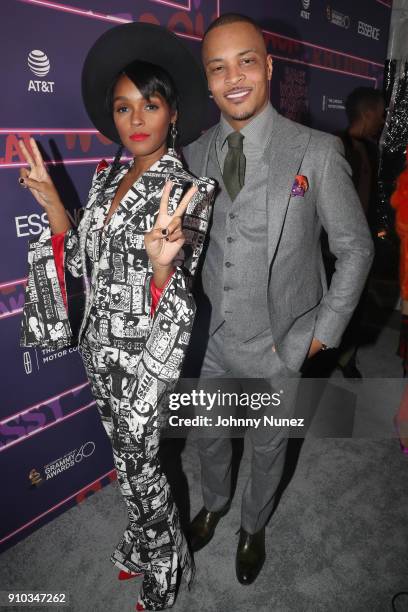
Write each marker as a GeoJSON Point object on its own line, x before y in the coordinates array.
{"type": "Point", "coordinates": [235, 270]}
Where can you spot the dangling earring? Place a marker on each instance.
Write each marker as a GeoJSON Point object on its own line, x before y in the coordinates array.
{"type": "Point", "coordinates": [173, 137]}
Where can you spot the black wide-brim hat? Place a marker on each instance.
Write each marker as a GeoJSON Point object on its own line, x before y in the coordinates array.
{"type": "Point", "coordinates": [145, 42]}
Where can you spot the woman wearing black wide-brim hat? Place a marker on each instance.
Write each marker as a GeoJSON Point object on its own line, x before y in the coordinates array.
{"type": "Point", "coordinates": [139, 243]}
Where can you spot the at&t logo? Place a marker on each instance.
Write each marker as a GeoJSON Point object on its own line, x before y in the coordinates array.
{"type": "Point", "coordinates": [39, 64]}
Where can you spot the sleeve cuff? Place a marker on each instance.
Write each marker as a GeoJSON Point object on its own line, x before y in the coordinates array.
{"type": "Point", "coordinates": [155, 292]}
{"type": "Point", "coordinates": [57, 241]}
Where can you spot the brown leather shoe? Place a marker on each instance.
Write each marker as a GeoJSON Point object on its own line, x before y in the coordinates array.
{"type": "Point", "coordinates": [202, 527]}
{"type": "Point", "coordinates": [250, 555]}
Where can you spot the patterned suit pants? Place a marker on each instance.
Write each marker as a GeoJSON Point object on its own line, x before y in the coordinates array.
{"type": "Point", "coordinates": [153, 542]}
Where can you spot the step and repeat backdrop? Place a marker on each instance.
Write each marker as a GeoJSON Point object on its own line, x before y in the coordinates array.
{"type": "Point", "coordinates": [53, 450]}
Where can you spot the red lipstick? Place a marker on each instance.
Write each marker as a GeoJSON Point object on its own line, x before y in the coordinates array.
{"type": "Point", "coordinates": [138, 137]}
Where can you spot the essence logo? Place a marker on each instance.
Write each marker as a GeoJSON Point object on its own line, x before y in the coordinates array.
{"type": "Point", "coordinates": [34, 224]}
{"type": "Point", "coordinates": [39, 64]}
{"type": "Point", "coordinates": [366, 29]}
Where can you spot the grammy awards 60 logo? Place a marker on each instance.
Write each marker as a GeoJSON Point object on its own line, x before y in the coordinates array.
{"type": "Point", "coordinates": [69, 460]}
{"type": "Point", "coordinates": [40, 65]}
{"type": "Point", "coordinates": [62, 464]}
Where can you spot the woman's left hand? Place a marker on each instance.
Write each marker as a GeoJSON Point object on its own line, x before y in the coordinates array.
{"type": "Point", "coordinates": [166, 238]}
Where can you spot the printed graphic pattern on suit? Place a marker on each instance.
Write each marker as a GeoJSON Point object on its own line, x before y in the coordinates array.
{"type": "Point", "coordinates": [132, 359]}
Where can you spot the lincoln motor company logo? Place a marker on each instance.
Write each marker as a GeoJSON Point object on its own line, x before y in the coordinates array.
{"type": "Point", "coordinates": [28, 366]}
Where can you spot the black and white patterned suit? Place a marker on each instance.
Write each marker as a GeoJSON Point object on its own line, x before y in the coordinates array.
{"type": "Point", "coordinates": [132, 359]}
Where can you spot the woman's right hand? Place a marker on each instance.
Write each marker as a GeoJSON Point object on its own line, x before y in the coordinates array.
{"type": "Point", "coordinates": [36, 178]}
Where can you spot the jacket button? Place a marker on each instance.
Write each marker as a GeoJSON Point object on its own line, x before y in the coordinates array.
{"type": "Point", "coordinates": [228, 264]}
{"type": "Point", "coordinates": [229, 239]}
{"type": "Point", "coordinates": [232, 216]}
{"type": "Point", "coordinates": [226, 288]}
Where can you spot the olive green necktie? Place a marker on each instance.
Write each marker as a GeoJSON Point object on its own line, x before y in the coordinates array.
{"type": "Point", "coordinates": [234, 165]}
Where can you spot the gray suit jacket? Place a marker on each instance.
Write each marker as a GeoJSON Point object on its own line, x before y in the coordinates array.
{"type": "Point", "coordinates": [300, 304]}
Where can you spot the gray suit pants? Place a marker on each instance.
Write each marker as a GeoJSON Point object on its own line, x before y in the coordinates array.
{"type": "Point", "coordinates": [228, 357]}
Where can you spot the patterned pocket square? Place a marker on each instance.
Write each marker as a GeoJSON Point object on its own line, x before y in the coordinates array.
{"type": "Point", "coordinates": [300, 186]}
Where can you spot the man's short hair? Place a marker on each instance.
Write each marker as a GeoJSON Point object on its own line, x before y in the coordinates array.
{"type": "Point", "coordinates": [228, 18]}
{"type": "Point", "coordinates": [360, 100]}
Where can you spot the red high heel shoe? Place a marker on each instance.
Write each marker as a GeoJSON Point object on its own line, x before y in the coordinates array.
{"type": "Point", "coordinates": [140, 607]}
{"type": "Point", "coordinates": [127, 575]}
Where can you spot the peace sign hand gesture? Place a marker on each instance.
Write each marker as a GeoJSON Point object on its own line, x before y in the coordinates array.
{"type": "Point", "coordinates": [37, 179]}
{"type": "Point", "coordinates": [166, 238]}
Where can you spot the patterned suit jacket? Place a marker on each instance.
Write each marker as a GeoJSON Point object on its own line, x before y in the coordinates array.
{"type": "Point", "coordinates": [118, 273]}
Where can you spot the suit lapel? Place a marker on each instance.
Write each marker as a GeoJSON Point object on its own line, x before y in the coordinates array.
{"type": "Point", "coordinates": [142, 191]}
{"type": "Point", "coordinates": [206, 143]}
{"type": "Point", "coordinates": [284, 163]}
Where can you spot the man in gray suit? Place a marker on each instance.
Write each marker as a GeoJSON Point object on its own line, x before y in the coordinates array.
{"type": "Point", "coordinates": [279, 183]}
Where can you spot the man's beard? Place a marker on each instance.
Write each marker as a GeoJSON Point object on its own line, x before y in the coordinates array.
{"type": "Point", "coordinates": [243, 117]}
